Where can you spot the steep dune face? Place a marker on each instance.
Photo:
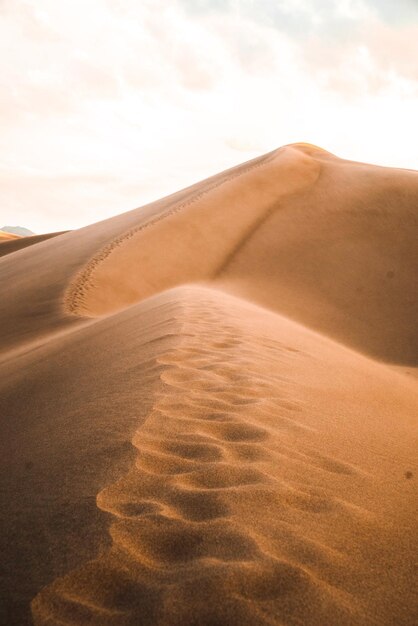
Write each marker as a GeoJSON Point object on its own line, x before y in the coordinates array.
{"type": "Point", "coordinates": [69, 408]}
{"type": "Point", "coordinates": [328, 242]}
{"type": "Point", "coordinates": [341, 257]}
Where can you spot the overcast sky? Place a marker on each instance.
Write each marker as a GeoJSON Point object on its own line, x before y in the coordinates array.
{"type": "Point", "coordinates": [108, 104]}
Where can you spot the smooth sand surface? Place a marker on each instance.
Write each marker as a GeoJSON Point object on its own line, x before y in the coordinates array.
{"type": "Point", "coordinates": [17, 243]}
{"type": "Point", "coordinates": [207, 410]}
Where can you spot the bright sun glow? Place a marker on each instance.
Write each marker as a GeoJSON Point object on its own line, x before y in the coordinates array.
{"type": "Point", "coordinates": [105, 105]}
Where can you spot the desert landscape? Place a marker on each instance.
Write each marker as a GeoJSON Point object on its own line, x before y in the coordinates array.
{"type": "Point", "coordinates": [209, 405]}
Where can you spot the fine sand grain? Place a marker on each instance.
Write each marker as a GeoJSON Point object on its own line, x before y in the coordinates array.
{"type": "Point", "coordinates": [207, 410]}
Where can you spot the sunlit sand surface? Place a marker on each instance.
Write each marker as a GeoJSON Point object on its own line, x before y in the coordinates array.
{"type": "Point", "coordinates": [209, 407]}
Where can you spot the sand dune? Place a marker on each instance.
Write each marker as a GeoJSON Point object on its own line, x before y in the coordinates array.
{"type": "Point", "coordinates": [4, 236]}
{"type": "Point", "coordinates": [18, 243]}
{"type": "Point", "coordinates": [297, 231]}
{"type": "Point", "coordinates": [201, 421]}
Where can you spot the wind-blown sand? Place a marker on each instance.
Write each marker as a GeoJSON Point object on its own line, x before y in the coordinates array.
{"type": "Point", "coordinates": [202, 423]}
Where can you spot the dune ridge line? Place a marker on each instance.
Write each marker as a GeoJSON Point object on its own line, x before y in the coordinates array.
{"type": "Point", "coordinates": [290, 161]}
{"type": "Point", "coordinates": [223, 431]}
{"type": "Point", "coordinates": [209, 453]}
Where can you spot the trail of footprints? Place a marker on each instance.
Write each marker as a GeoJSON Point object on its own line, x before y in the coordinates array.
{"type": "Point", "coordinates": [74, 298]}
{"type": "Point", "coordinates": [185, 527]}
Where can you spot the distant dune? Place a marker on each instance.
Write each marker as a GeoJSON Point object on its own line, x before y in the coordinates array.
{"type": "Point", "coordinates": [207, 417]}
{"type": "Point", "coordinates": [15, 242]}
{"type": "Point", "coordinates": [4, 236]}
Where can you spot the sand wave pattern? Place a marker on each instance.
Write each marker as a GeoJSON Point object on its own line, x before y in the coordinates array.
{"type": "Point", "coordinates": [206, 526]}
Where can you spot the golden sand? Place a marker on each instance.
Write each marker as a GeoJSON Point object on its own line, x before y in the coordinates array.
{"type": "Point", "coordinates": [202, 423]}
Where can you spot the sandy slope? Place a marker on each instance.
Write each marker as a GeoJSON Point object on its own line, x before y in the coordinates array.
{"type": "Point", "coordinates": [17, 243]}
{"type": "Point", "coordinates": [329, 242]}
{"type": "Point", "coordinates": [192, 457]}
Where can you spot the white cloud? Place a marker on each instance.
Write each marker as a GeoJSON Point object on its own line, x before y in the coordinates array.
{"type": "Point", "coordinates": [105, 105]}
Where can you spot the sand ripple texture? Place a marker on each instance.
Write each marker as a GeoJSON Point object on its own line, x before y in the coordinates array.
{"type": "Point", "coordinates": [232, 512]}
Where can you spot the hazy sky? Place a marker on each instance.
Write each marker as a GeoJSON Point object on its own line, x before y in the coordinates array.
{"type": "Point", "coordinates": [108, 104]}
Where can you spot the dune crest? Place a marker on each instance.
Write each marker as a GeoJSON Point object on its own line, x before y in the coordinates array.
{"type": "Point", "coordinates": [236, 511]}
